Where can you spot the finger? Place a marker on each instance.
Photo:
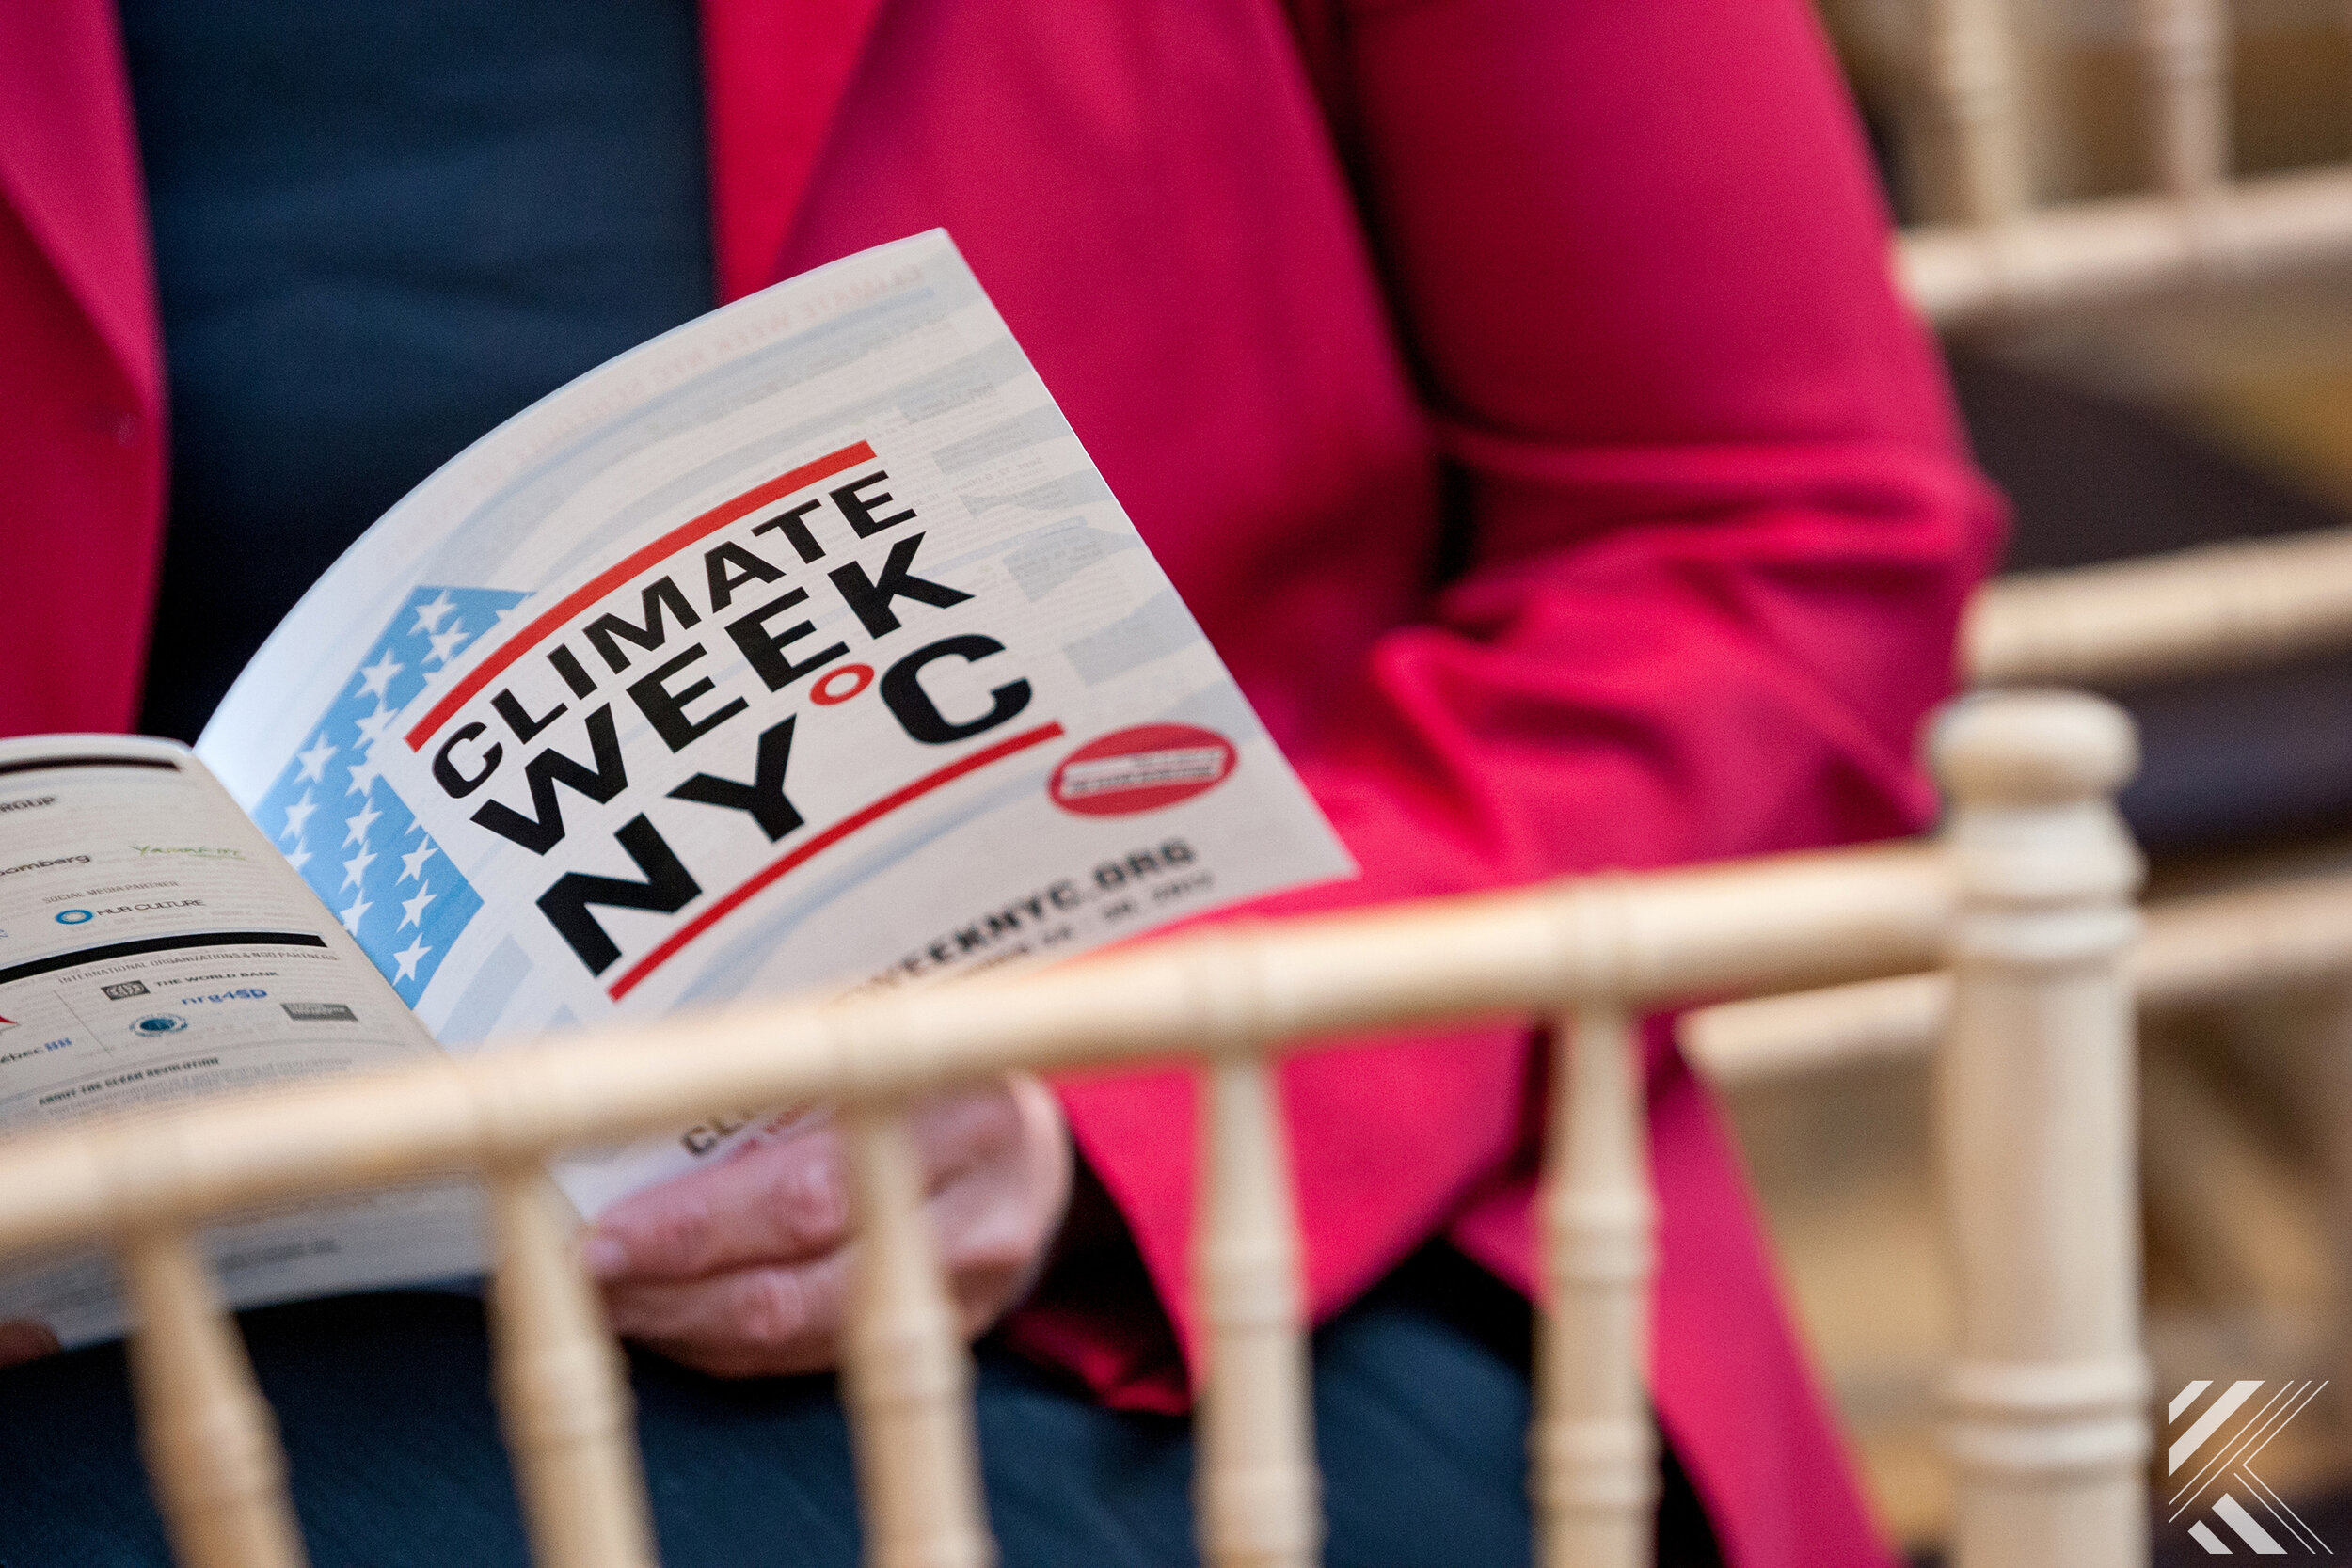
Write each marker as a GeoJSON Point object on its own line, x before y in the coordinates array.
{"type": "Point", "coordinates": [774, 1202]}
{"type": "Point", "coordinates": [786, 1199]}
{"type": "Point", "coordinates": [993, 1219]}
{"type": "Point", "coordinates": [996, 1222]}
{"type": "Point", "coordinates": [22, 1339]}
{"type": "Point", "coordinates": [771, 1320]}
{"type": "Point", "coordinates": [998, 1167]}
{"type": "Point", "coordinates": [970, 1127]}
{"type": "Point", "coordinates": [781, 1319]}
{"type": "Point", "coordinates": [989, 1251]}
{"type": "Point", "coordinates": [1045, 1143]}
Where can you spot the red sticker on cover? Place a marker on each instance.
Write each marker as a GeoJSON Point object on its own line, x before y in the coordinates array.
{"type": "Point", "coordinates": [1142, 768]}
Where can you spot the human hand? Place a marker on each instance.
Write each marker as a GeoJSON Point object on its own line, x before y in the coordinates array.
{"type": "Point", "coordinates": [741, 1270]}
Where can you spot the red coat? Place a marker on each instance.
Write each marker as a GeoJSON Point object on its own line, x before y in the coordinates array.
{"type": "Point", "coordinates": [1619, 270]}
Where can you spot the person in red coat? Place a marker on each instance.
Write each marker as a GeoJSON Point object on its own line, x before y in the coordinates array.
{"type": "Point", "coordinates": [1514, 390]}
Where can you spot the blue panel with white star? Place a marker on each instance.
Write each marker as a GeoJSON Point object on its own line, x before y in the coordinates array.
{"type": "Point", "coordinates": [354, 840]}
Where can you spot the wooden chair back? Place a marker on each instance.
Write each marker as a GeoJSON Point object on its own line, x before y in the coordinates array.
{"type": "Point", "coordinates": [2027, 896]}
{"type": "Point", "coordinates": [1988, 248]}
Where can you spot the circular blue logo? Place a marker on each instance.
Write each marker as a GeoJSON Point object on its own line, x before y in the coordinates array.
{"type": "Point", "coordinates": [73, 918]}
{"type": "Point", "coordinates": [159, 1023]}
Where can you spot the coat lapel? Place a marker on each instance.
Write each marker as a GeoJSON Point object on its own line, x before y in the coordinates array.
{"type": "Point", "coordinates": [774, 72]}
{"type": "Point", "coordinates": [69, 170]}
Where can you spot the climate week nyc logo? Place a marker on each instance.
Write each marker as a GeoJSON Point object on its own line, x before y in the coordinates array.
{"type": "Point", "coordinates": [2210, 1467]}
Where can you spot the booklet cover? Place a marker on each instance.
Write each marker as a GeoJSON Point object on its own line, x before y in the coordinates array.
{"type": "Point", "coordinates": [800, 649]}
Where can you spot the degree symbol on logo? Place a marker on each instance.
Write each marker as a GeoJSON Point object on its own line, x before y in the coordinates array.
{"type": "Point", "coordinates": [841, 683]}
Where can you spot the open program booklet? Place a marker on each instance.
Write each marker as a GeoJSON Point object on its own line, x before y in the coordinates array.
{"type": "Point", "coordinates": [800, 649]}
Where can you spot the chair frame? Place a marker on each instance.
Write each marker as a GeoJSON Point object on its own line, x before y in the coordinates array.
{"type": "Point", "coordinates": [2028, 896]}
{"type": "Point", "coordinates": [1992, 251]}
{"type": "Point", "coordinates": [2220, 606]}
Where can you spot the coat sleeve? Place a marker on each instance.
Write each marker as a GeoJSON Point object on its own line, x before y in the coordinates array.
{"type": "Point", "coordinates": [1719, 527]}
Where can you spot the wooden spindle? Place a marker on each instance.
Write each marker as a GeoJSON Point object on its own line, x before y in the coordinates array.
{"type": "Point", "coordinates": [212, 1449]}
{"type": "Point", "coordinates": [1972, 74]}
{"type": "Point", "coordinates": [906, 1376]}
{"type": "Point", "coordinates": [2184, 55]}
{"type": "Point", "coordinates": [2048, 1427]}
{"type": "Point", "coordinates": [1259, 1495]}
{"type": "Point", "coordinates": [2196, 611]}
{"type": "Point", "coordinates": [563, 1387]}
{"type": "Point", "coordinates": [2329, 1021]}
{"type": "Point", "coordinates": [1595, 1452]}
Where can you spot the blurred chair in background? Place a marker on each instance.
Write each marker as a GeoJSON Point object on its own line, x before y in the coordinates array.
{"type": "Point", "coordinates": [2134, 224]}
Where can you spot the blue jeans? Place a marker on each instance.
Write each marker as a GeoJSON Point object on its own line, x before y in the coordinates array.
{"type": "Point", "coordinates": [1421, 1402]}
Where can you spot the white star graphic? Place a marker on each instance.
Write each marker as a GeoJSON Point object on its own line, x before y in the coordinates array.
{"type": "Point", "coordinates": [376, 725]}
{"type": "Point", "coordinates": [355, 828]}
{"type": "Point", "coordinates": [314, 760]}
{"type": "Point", "coordinates": [412, 863]}
{"type": "Point", "coordinates": [355, 870]}
{"type": "Point", "coordinates": [352, 916]}
{"type": "Point", "coordinates": [299, 859]}
{"type": "Point", "coordinates": [445, 643]}
{"type": "Point", "coordinates": [409, 957]}
{"type": "Point", "coordinates": [297, 814]}
{"type": "Point", "coordinates": [413, 909]}
{"type": "Point", "coordinates": [363, 776]}
{"type": "Point", "coordinates": [430, 616]}
{"type": "Point", "coordinates": [378, 677]}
